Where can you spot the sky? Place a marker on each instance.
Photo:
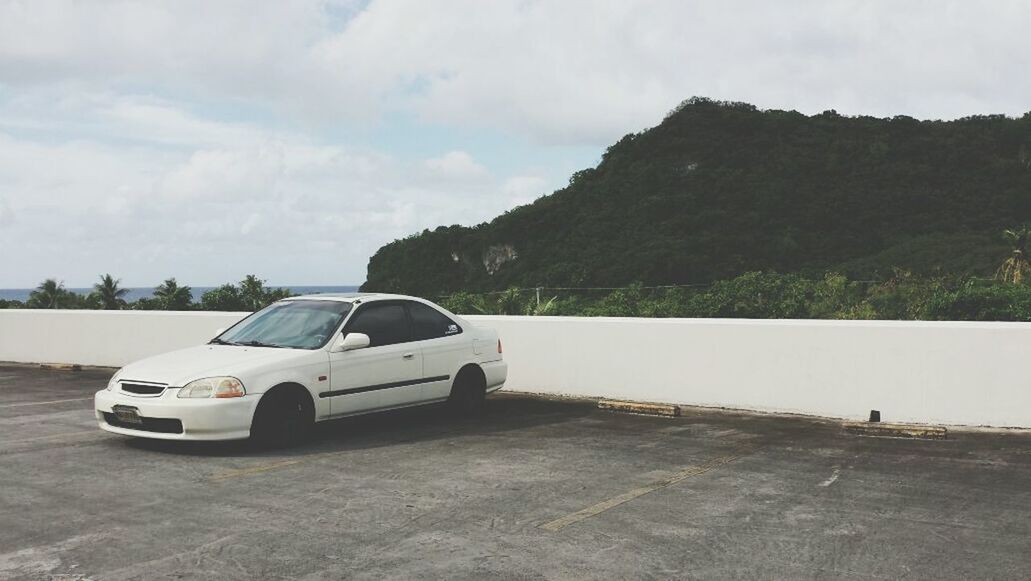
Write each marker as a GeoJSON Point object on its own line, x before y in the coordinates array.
{"type": "Point", "coordinates": [207, 140]}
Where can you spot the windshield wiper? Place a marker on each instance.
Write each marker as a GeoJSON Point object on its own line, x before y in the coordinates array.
{"type": "Point", "coordinates": [258, 344]}
{"type": "Point", "coordinates": [217, 341]}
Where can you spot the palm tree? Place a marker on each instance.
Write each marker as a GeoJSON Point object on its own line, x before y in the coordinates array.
{"type": "Point", "coordinates": [50, 294]}
{"type": "Point", "coordinates": [109, 293]}
{"type": "Point", "coordinates": [173, 297]}
{"type": "Point", "coordinates": [509, 302]}
{"type": "Point", "coordinates": [541, 309]}
{"type": "Point", "coordinates": [1015, 268]}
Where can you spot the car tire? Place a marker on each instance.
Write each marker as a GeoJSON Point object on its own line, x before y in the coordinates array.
{"type": "Point", "coordinates": [281, 420]}
{"type": "Point", "coordinates": [468, 394]}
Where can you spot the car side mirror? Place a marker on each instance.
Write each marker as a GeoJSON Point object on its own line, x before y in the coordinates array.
{"type": "Point", "coordinates": [350, 342]}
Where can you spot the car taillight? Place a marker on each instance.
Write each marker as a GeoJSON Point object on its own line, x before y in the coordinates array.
{"type": "Point", "coordinates": [499, 346]}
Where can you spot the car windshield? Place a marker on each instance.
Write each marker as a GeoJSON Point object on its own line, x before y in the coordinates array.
{"type": "Point", "coordinates": [304, 324]}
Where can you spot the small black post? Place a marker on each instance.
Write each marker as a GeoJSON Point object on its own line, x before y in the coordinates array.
{"type": "Point", "coordinates": [875, 416]}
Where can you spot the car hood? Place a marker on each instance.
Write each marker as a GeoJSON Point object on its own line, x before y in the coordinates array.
{"type": "Point", "coordinates": [177, 368]}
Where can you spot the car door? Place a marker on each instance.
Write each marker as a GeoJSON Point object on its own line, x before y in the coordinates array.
{"type": "Point", "coordinates": [444, 348]}
{"type": "Point", "coordinates": [387, 373]}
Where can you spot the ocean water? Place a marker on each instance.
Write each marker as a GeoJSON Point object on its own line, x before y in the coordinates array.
{"type": "Point", "coordinates": [22, 294]}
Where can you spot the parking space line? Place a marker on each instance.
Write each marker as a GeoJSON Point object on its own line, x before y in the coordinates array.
{"type": "Point", "coordinates": [228, 474]}
{"type": "Point", "coordinates": [51, 436]}
{"type": "Point", "coordinates": [689, 472]}
{"type": "Point", "coordinates": [18, 405]}
{"type": "Point", "coordinates": [267, 467]}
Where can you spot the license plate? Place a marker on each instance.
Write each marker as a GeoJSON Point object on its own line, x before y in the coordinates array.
{"type": "Point", "coordinates": [128, 415]}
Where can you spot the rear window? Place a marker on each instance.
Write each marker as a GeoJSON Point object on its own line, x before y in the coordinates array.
{"type": "Point", "coordinates": [429, 323]}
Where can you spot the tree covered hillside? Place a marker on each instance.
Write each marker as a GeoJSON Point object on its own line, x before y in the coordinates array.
{"type": "Point", "coordinates": [719, 189]}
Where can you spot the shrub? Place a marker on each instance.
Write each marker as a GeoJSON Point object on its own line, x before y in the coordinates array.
{"type": "Point", "coordinates": [981, 302]}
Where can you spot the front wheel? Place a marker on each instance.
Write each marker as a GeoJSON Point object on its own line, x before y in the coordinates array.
{"type": "Point", "coordinates": [281, 420]}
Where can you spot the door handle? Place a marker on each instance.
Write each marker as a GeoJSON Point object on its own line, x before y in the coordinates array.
{"type": "Point", "coordinates": [408, 356]}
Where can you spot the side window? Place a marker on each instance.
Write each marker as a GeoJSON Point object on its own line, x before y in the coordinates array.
{"type": "Point", "coordinates": [429, 323]}
{"type": "Point", "coordinates": [385, 324]}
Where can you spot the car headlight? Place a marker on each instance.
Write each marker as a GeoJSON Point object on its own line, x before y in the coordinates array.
{"type": "Point", "coordinates": [111, 383]}
{"type": "Point", "coordinates": [219, 387]}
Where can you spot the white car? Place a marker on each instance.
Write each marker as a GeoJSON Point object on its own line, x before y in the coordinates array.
{"type": "Point", "coordinates": [303, 360]}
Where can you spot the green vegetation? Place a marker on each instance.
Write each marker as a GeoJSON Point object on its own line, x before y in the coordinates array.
{"type": "Point", "coordinates": [109, 294]}
{"type": "Point", "coordinates": [764, 295]}
{"type": "Point", "coordinates": [718, 190]}
{"type": "Point", "coordinates": [250, 294]}
{"type": "Point", "coordinates": [169, 296]}
{"type": "Point", "coordinates": [1016, 268]}
{"type": "Point", "coordinates": [724, 210]}
{"type": "Point", "coordinates": [754, 295]}
{"type": "Point", "coordinates": [51, 294]}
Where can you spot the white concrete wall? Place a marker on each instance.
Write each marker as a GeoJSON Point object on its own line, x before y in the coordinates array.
{"type": "Point", "coordinates": [111, 338]}
{"type": "Point", "coordinates": [938, 372]}
{"type": "Point", "coordinates": [949, 373]}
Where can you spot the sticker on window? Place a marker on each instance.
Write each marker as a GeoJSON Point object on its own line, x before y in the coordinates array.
{"type": "Point", "coordinates": [451, 329]}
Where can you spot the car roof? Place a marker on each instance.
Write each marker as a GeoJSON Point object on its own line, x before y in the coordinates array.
{"type": "Point", "coordinates": [352, 297]}
{"type": "Point", "coordinates": [355, 298]}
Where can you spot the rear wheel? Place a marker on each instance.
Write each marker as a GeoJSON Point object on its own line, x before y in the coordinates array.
{"type": "Point", "coordinates": [468, 393]}
{"type": "Point", "coordinates": [283, 418]}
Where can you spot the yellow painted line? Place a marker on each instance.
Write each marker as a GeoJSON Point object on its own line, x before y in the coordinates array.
{"type": "Point", "coordinates": [18, 405]}
{"type": "Point", "coordinates": [229, 474]}
{"type": "Point", "coordinates": [37, 439]}
{"type": "Point", "coordinates": [594, 509]}
{"type": "Point", "coordinates": [258, 469]}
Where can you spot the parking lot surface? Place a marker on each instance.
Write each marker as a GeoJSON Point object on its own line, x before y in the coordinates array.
{"type": "Point", "coordinates": [534, 489]}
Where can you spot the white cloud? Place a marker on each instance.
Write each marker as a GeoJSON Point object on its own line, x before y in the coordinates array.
{"type": "Point", "coordinates": [285, 206]}
{"type": "Point", "coordinates": [455, 165]}
{"type": "Point", "coordinates": [206, 140]}
{"type": "Point", "coordinates": [252, 222]}
{"type": "Point", "coordinates": [569, 71]}
{"type": "Point", "coordinates": [6, 214]}
{"type": "Point", "coordinates": [226, 174]}
{"type": "Point", "coordinates": [524, 189]}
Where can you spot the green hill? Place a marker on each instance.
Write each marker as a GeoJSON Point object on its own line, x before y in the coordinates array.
{"type": "Point", "coordinates": [718, 189]}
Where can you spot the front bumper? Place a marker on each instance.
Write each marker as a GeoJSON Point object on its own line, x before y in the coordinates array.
{"type": "Point", "coordinates": [202, 419]}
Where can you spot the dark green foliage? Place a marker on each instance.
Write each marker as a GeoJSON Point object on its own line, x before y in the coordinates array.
{"type": "Point", "coordinates": [172, 297]}
{"type": "Point", "coordinates": [903, 297]}
{"type": "Point", "coordinates": [224, 298]}
{"type": "Point", "coordinates": [108, 294]}
{"type": "Point", "coordinates": [620, 303]}
{"type": "Point", "coordinates": [982, 302]}
{"type": "Point", "coordinates": [250, 295]}
{"type": "Point", "coordinates": [756, 296]}
{"type": "Point", "coordinates": [1016, 268]}
{"type": "Point", "coordinates": [147, 304]}
{"type": "Point", "coordinates": [721, 189]}
{"type": "Point", "coordinates": [51, 294]}
{"type": "Point", "coordinates": [759, 295]}
{"type": "Point", "coordinates": [255, 295]}
{"type": "Point", "coordinates": [464, 303]}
